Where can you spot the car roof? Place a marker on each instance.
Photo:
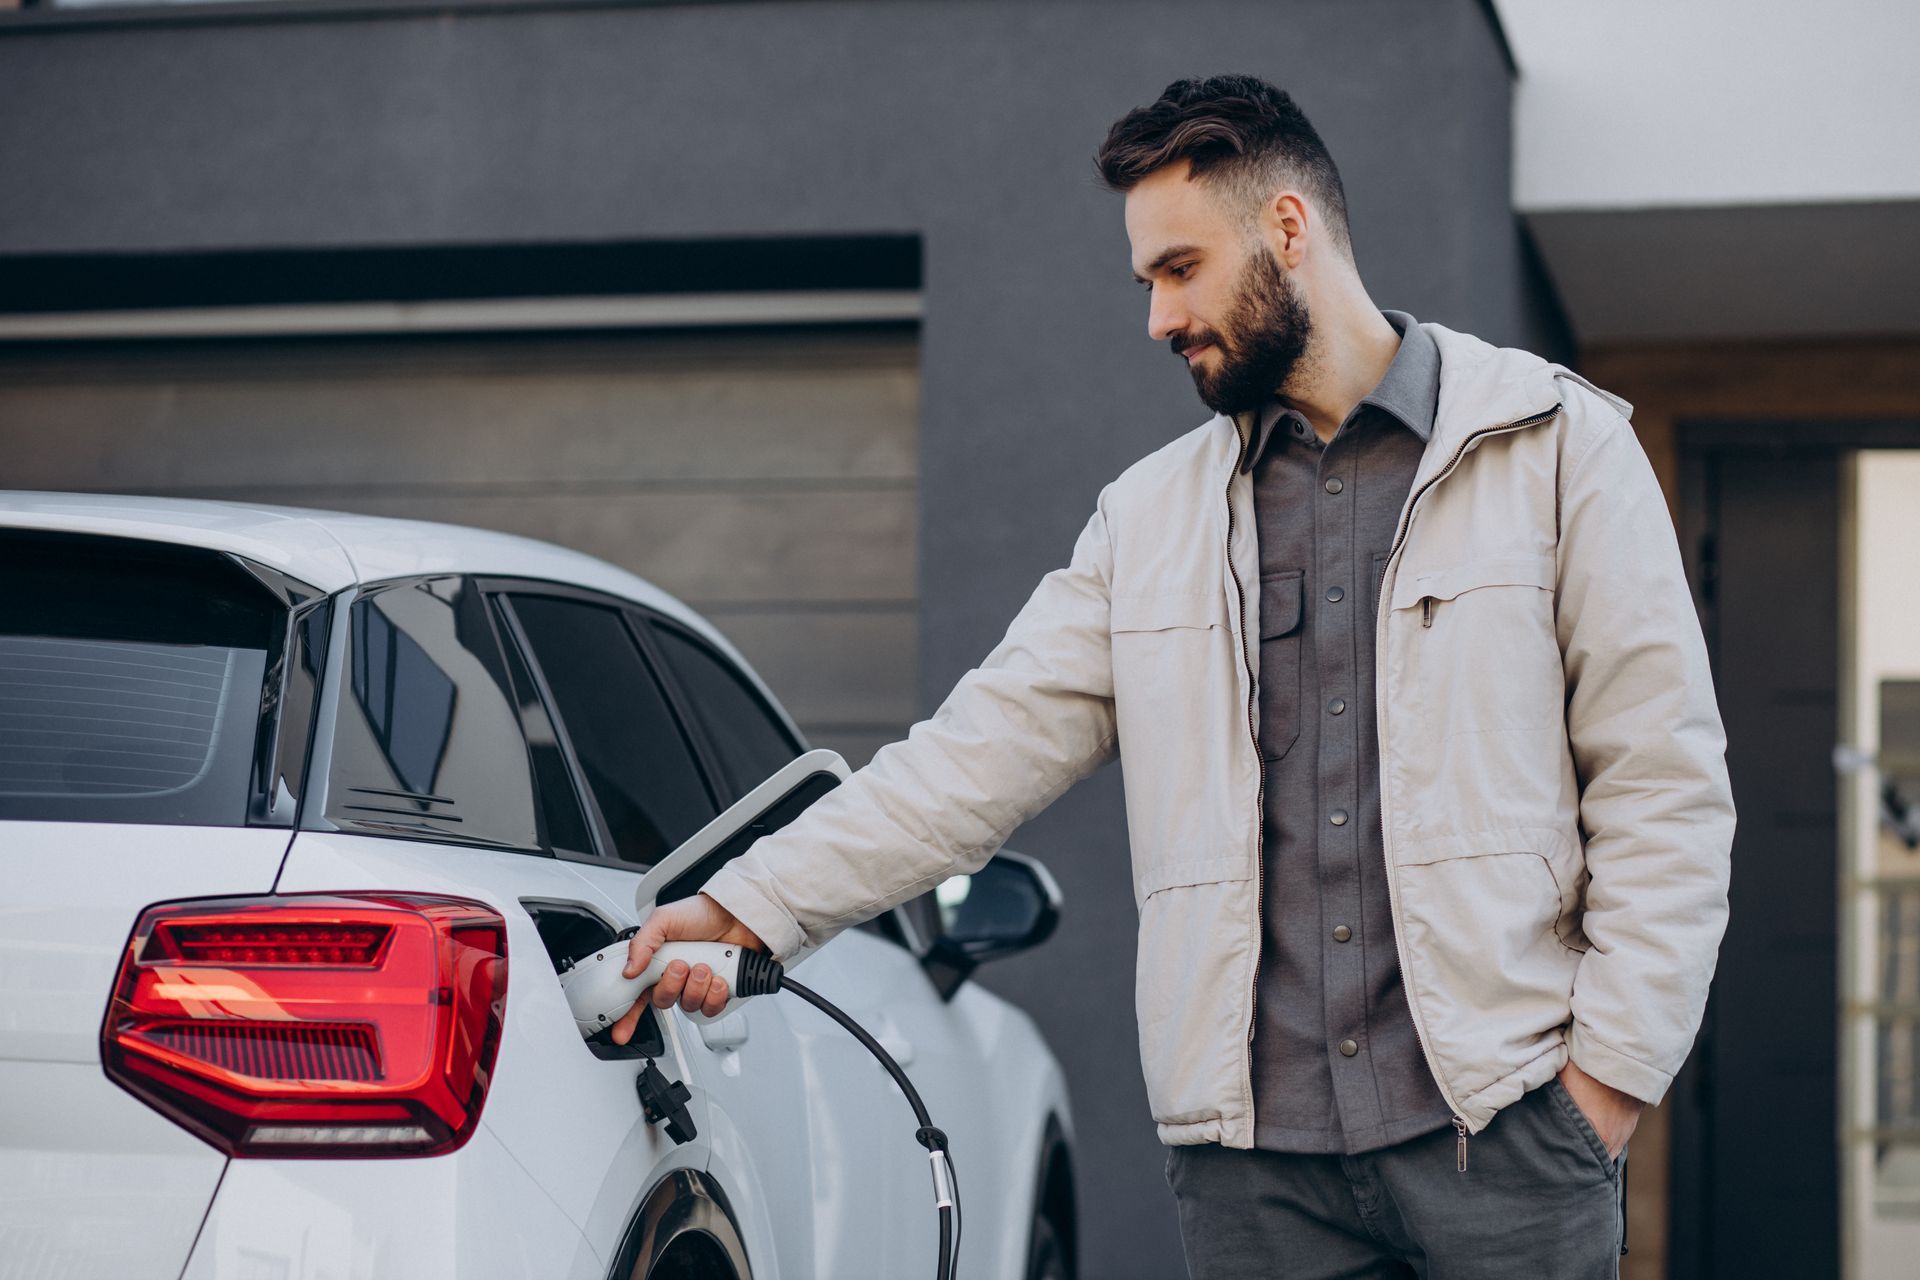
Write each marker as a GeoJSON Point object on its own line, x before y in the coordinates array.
{"type": "Point", "coordinates": [332, 550]}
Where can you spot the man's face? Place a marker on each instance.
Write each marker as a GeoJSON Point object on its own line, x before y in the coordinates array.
{"type": "Point", "coordinates": [1220, 299]}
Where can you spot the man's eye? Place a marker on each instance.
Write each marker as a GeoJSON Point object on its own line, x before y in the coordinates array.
{"type": "Point", "coordinates": [1183, 270]}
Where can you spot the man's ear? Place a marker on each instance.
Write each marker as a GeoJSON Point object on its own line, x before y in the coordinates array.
{"type": "Point", "coordinates": [1284, 223]}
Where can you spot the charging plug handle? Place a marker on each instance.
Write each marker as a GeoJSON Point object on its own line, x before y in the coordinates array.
{"type": "Point", "coordinates": [598, 991]}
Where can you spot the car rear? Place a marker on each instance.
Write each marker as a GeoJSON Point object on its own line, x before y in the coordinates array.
{"type": "Point", "coordinates": [134, 690]}
{"type": "Point", "coordinates": [202, 1073]}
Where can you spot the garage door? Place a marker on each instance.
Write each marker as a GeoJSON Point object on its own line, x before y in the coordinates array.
{"type": "Point", "coordinates": [767, 477]}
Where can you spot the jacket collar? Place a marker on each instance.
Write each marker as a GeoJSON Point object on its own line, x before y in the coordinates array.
{"type": "Point", "coordinates": [1404, 393]}
{"type": "Point", "coordinates": [1481, 385]}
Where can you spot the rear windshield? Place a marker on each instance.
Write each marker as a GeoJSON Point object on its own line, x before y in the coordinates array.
{"type": "Point", "coordinates": [131, 680]}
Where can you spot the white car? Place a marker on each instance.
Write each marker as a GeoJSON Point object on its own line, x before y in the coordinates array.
{"type": "Point", "coordinates": [301, 814]}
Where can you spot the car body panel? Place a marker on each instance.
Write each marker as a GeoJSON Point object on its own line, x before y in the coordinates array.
{"type": "Point", "coordinates": [288, 539]}
{"type": "Point", "coordinates": [94, 1184]}
{"type": "Point", "coordinates": [573, 1120]}
{"type": "Point", "coordinates": [472, 1215]}
{"type": "Point", "coordinates": [73, 894]}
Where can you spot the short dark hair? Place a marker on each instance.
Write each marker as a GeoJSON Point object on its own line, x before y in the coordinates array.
{"type": "Point", "coordinates": [1239, 132]}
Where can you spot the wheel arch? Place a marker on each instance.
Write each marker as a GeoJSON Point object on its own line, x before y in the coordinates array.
{"type": "Point", "coordinates": [1054, 1196]}
{"type": "Point", "coordinates": [673, 1216]}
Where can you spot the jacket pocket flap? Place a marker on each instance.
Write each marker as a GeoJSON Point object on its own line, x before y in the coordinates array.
{"type": "Point", "coordinates": [1448, 581]}
{"type": "Point", "coordinates": [1161, 610]}
{"type": "Point", "coordinates": [1173, 872]}
{"type": "Point", "coordinates": [1280, 603]}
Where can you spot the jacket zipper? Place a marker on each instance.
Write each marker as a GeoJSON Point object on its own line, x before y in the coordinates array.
{"type": "Point", "coordinates": [1260, 791]}
{"type": "Point", "coordinates": [1380, 727]}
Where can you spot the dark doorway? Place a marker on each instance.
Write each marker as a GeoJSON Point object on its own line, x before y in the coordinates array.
{"type": "Point", "coordinates": [1756, 1174]}
{"type": "Point", "coordinates": [1755, 1161]}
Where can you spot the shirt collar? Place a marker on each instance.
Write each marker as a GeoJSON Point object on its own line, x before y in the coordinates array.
{"type": "Point", "coordinates": [1408, 391]}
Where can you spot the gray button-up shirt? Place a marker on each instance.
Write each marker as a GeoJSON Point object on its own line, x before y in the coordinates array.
{"type": "Point", "coordinates": [1337, 1066]}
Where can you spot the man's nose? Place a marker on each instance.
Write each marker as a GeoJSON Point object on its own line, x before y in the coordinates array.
{"type": "Point", "coordinates": [1165, 316]}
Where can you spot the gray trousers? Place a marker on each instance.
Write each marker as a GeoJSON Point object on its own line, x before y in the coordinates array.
{"type": "Point", "coordinates": [1540, 1200]}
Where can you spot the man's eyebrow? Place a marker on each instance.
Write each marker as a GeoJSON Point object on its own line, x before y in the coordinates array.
{"type": "Point", "coordinates": [1166, 256]}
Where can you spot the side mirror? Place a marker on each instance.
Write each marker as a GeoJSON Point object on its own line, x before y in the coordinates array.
{"type": "Point", "coordinates": [1009, 905]}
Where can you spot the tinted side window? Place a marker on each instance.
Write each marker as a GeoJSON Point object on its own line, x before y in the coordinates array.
{"type": "Point", "coordinates": [427, 742]}
{"type": "Point", "coordinates": [750, 742]}
{"type": "Point", "coordinates": [565, 822]}
{"type": "Point", "coordinates": [637, 762]}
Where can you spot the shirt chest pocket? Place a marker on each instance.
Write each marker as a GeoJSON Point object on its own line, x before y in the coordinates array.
{"type": "Point", "coordinates": [1280, 643]}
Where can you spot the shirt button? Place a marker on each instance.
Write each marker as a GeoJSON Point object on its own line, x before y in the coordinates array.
{"type": "Point", "coordinates": [1349, 1047]}
{"type": "Point", "coordinates": [1338, 817]}
{"type": "Point", "coordinates": [1341, 933]}
{"type": "Point", "coordinates": [1337, 705]}
{"type": "Point", "coordinates": [1335, 594]}
{"type": "Point", "coordinates": [1334, 485]}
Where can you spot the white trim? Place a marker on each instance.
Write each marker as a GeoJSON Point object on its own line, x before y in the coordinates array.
{"type": "Point", "coordinates": [642, 311]}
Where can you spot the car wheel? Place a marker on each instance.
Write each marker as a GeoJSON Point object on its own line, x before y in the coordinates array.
{"type": "Point", "coordinates": [1046, 1256]}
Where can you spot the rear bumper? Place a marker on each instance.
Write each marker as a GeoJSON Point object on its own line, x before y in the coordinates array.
{"type": "Point", "coordinates": [471, 1215]}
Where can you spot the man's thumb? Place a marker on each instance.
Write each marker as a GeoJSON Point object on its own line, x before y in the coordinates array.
{"type": "Point", "coordinates": [659, 926]}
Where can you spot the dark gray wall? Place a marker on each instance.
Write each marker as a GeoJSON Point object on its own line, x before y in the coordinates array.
{"type": "Point", "coordinates": [970, 124]}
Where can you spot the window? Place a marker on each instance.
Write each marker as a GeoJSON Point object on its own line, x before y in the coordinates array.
{"type": "Point", "coordinates": [565, 824]}
{"type": "Point", "coordinates": [408, 700]}
{"type": "Point", "coordinates": [428, 740]}
{"type": "Point", "coordinates": [131, 679]}
{"type": "Point", "coordinates": [749, 741]}
{"type": "Point", "coordinates": [638, 764]}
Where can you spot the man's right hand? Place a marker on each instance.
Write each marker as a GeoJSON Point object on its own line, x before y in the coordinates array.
{"type": "Point", "coordinates": [695, 919]}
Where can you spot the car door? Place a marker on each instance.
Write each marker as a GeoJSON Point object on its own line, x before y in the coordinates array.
{"type": "Point", "coordinates": [445, 775]}
{"type": "Point", "coordinates": [872, 972]}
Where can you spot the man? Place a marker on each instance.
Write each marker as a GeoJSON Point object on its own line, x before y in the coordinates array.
{"type": "Point", "coordinates": [1426, 791]}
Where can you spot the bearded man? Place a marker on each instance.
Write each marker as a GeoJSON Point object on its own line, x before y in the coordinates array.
{"type": "Point", "coordinates": [1426, 785]}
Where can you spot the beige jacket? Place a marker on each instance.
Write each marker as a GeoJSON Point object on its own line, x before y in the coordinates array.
{"type": "Point", "coordinates": [1553, 787]}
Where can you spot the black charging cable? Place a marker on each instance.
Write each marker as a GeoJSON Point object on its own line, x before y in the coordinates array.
{"type": "Point", "coordinates": [761, 974]}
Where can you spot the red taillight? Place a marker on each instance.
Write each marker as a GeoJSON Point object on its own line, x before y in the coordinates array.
{"type": "Point", "coordinates": [312, 1025]}
{"type": "Point", "coordinates": [268, 942]}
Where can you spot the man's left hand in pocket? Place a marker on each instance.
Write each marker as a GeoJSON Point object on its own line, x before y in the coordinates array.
{"type": "Point", "coordinates": [1612, 1114]}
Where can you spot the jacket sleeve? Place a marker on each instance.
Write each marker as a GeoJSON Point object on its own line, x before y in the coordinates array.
{"type": "Point", "coordinates": [1032, 719]}
{"type": "Point", "coordinates": [1649, 749]}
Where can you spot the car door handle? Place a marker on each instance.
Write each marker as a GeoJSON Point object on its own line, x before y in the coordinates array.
{"type": "Point", "coordinates": [726, 1031]}
{"type": "Point", "coordinates": [887, 1032]}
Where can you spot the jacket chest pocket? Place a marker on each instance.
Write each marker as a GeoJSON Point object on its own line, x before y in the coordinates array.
{"type": "Point", "coordinates": [1160, 644]}
{"type": "Point", "coordinates": [1478, 645]}
{"type": "Point", "coordinates": [1280, 640]}
{"type": "Point", "coordinates": [1175, 709]}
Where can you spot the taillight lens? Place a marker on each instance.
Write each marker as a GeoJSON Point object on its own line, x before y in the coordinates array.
{"type": "Point", "coordinates": [312, 1025]}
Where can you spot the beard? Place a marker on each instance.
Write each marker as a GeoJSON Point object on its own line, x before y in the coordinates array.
{"type": "Point", "coordinates": [1262, 336]}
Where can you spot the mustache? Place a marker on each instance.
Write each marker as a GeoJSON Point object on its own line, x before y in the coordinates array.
{"type": "Point", "coordinates": [1188, 341]}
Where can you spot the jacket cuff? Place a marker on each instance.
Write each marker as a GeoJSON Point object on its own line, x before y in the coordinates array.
{"type": "Point", "coordinates": [753, 907]}
{"type": "Point", "coordinates": [1611, 1067]}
